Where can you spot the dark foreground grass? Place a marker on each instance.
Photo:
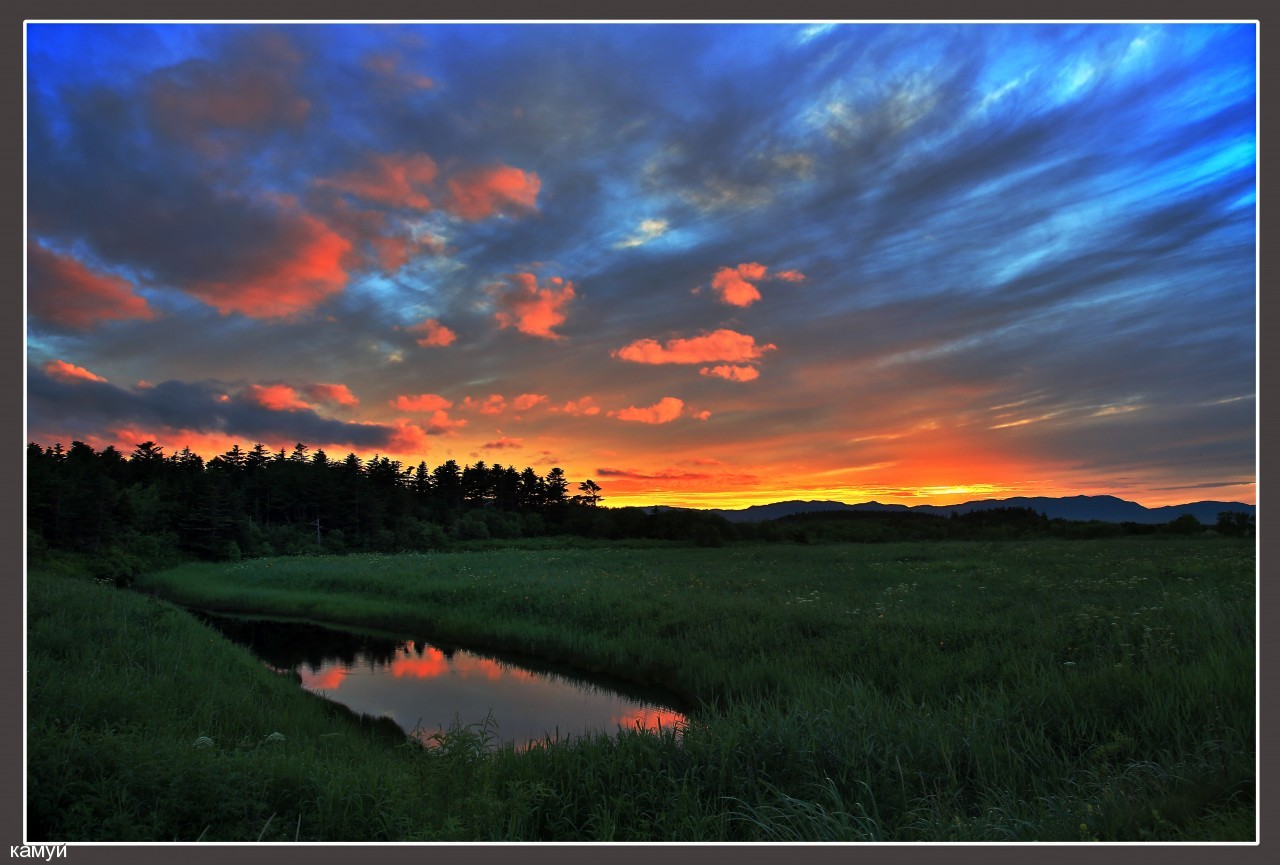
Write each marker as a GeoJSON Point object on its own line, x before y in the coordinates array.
{"type": "Point", "coordinates": [928, 692]}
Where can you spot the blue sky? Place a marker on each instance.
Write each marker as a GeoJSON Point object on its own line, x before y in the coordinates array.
{"type": "Point", "coordinates": [704, 264]}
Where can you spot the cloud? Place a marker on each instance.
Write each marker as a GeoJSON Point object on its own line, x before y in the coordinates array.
{"type": "Point", "coordinates": [530, 308]}
{"type": "Point", "coordinates": [63, 292]}
{"type": "Point", "coordinates": [407, 439]}
{"type": "Point", "coordinates": [83, 408]}
{"type": "Point", "coordinates": [526, 401]}
{"type": "Point", "coordinates": [495, 403]}
{"type": "Point", "coordinates": [282, 283]}
{"type": "Point", "coordinates": [731, 283]}
{"type": "Point", "coordinates": [421, 402]}
{"type": "Point", "coordinates": [664, 410]}
{"type": "Point", "coordinates": [503, 443]}
{"type": "Point", "coordinates": [333, 393]}
{"type": "Point", "coordinates": [483, 192]}
{"type": "Point", "coordinates": [387, 67]}
{"type": "Point", "coordinates": [732, 373]}
{"type": "Point", "coordinates": [578, 407]}
{"type": "Point", "coordinates": [69, 372]}
{"type": "Point", "coordinates": [276, 397]}
{"type": "Point", "coordinates": [435, 333]}
{"type": "Point", "coordinates": [649, 229]}
{"type": "Point", "coordinates": [718, 345]}
{"type": "Point", "coordinates": [251, 88]}
{"type": "Point", "coordinates": [441, 423]}
{"type": "Point", "coordinates": [391, 179]}
{"type": "Point", "coordinates": [736, 285]}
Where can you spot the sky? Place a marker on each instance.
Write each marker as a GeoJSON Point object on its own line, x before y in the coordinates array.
{"type": "Point", "coordinates": [708, 265]}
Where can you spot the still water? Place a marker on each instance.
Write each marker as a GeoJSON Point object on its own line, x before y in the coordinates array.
{"type": "Point", "coordinates": [426, 688]}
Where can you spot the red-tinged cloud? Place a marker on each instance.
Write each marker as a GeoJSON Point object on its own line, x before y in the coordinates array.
{"type": "Point", "coordinates": [495, 403]}
{"type": "Point", "coordinates": [733, 286]}
{"type": "Point", "coordinates": [407, 439]}
{"type": "Point", "coordinates": [503, 443]}
{"type": "Point", "coordinates": [578, 407]}
{"type": "Point", "coordinates": [338, 394]}
{"type": "Point", "coordinates": [441, 423]}
{"type": "Point", "coordinates": [391, 179]}
{"type": "Point", "coordinates": [702, 415]}
{"type": "Point", "coordinates": [143, 384]}
{"type": "Point", "coordinates": [62, 291]}
{"type": "Point", "coordinates": [531, 308]}
{"type": "Point", "coordinates": [789, 276]}
{"type": "Point", "coordinates": [719, 345]}
{"type": "Point", "coordinates": [60, 369]}
{"type": "Point", "coordinates": [732, 373]}
{"type": "Point", "coordinates": [526, 401]}
{"type": "Point", "coordinates": [387, 68]}
{"type": "Point", "coordinates": [664, 410]}
{"type": "Point", "coordinates": [421, 402]}
{"type": "Point", "coordinates": [484, 192]}
{"type": "Point", "coordinates": [253, 90]}
{"type": "Point", "coordinates": [297, 275]}
{"type": "Point", "coordinates": [433, 333]}
{"type": "Point", "coordinates": [276, 397]}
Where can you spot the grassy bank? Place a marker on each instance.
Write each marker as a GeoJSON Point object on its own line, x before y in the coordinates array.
{"type": "Point", "coordinates": [947, 691]}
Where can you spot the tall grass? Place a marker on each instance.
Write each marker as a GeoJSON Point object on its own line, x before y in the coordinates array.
{"type": "Point", "coordinates": [945, 691]}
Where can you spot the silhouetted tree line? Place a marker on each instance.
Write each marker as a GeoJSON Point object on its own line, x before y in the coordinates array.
{"type": "Point", "coordinates": [148, 509]}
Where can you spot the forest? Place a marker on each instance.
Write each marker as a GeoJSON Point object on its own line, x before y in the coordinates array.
{"type": "Point", "coordinates": [148, 509]}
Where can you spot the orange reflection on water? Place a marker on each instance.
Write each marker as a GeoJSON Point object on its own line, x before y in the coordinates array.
{"type": "Point", "coordinates": [325, 679]}
{"type": "Point", "coordinates": [428, 665]}
{"type": "Point", "coordinates": [650, 718]}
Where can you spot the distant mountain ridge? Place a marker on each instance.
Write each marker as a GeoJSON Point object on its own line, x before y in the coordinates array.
{"type": "Point", "coordinates": [1104, 508]}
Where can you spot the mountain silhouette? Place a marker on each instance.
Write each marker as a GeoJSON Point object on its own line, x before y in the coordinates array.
{"type": "Point", "coordinates": [1104, 508]}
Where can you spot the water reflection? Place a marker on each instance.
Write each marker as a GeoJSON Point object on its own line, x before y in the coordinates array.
{"type": "Point", "coordinates": [426, 689]}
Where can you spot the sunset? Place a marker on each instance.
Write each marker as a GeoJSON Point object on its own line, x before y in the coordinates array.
{"type": "Point", "coordinates": [751, 433]}
{"type": "Point", "coordinates": [704, 265]}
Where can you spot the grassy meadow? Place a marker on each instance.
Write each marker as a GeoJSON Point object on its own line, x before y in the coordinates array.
{"type": "Point", "coordinates": [946, 691]}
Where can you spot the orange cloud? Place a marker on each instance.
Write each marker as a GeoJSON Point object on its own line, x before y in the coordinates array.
{"type": "Point", "coordinates": [393, 179]}
{"type": "Point", "coordinates": [702, 415]}
{"type": "Point", "coordinates": [526, 401]}
{"type": "Point", "coordinates": [503, 443]}
{"type": "Point", "coordinates": [789, 276]}
{"type": "Point", "coordinates": [496, 403]}
{"type": "Point", "coordinates": [441, 423]}
{"type": "Point", "coordinates": [664, 410]}
{"type": "Point", "coordinates": [731, 283]}
{"type": "Point", "coordinates": [60, 369]}
{"type": "Point", "coordinates": [483, 192]}
{"type": "Point", "coordinates": [436, 334]}
{"type": "Point", "coordinates": [421, 402]}
{"type": "Point", "coordinates": [63, 291]}
{"type": "Point", "coordinates": [584, 406]}
{"type": "Point", "coordinates": [276, 397]}
{"type": "Point", "coordinates": [308, 269]}
{"type": "Point", "coordinates": [532, 309]}
{"type": "Point", "coordinates": [732, 373]}
{"type": "Point", "coordinates": [407, 440]}
{"type": "Point", "coordinates": [334, 393]}
{"type": "Point", "coordinates": [722, 345]}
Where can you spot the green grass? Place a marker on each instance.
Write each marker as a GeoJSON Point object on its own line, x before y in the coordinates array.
{"type": "Point", "coordinates": [913, 692]}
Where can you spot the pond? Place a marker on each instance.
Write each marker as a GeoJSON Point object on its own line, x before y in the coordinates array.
{"type": "Point", "coordinates": [427, 688]}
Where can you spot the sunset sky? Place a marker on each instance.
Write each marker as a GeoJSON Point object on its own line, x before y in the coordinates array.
{"type": "Point", "coordinates": [709, 265]}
